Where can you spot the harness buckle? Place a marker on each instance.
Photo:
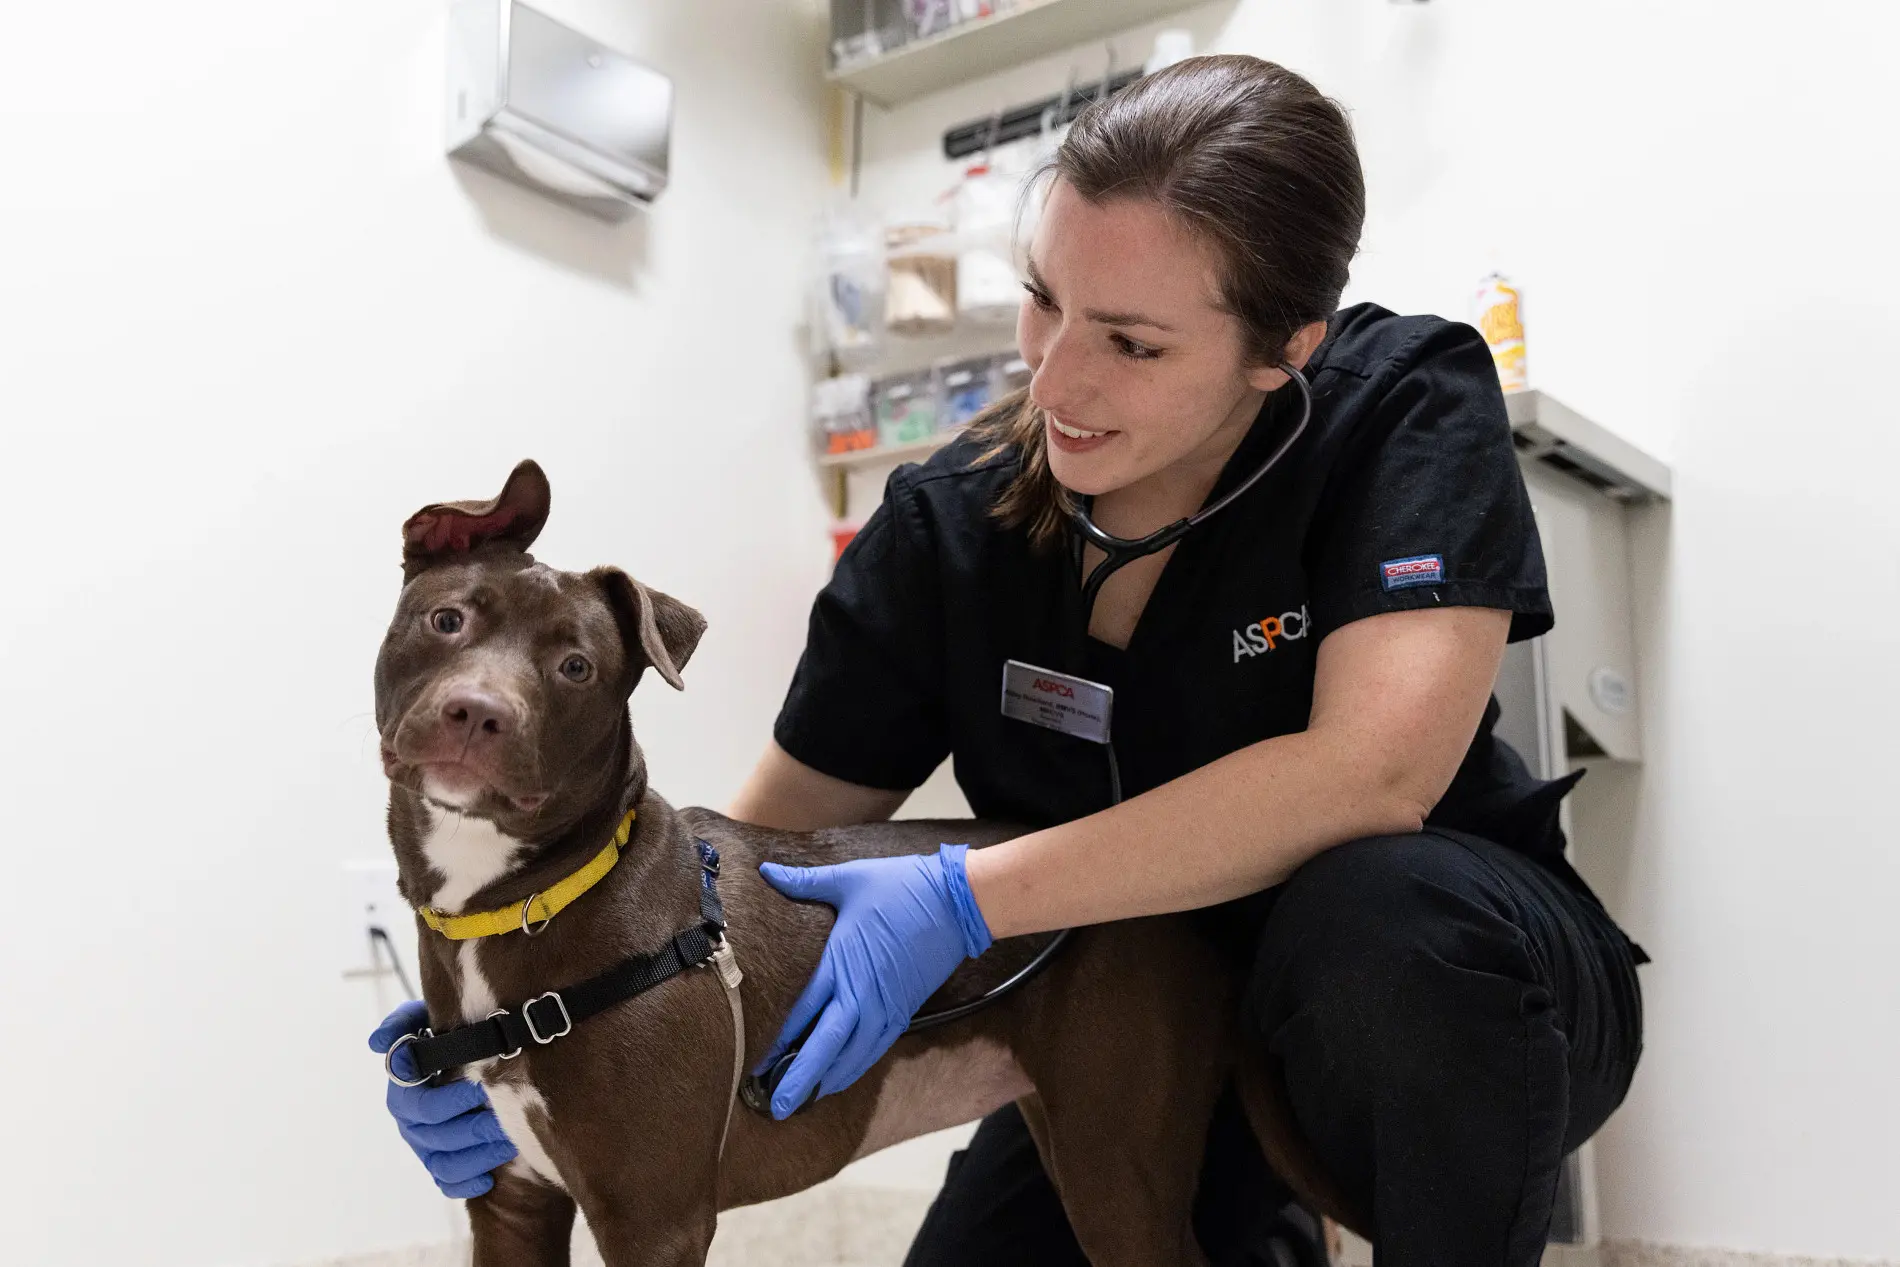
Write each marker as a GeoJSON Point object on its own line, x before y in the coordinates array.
{"type": "Point", "coordinates": [534, 1031]}
{"type": "Point", "coordinates": [389, 1058]}
{"type": "Point", "coordinates": [502, 1011]}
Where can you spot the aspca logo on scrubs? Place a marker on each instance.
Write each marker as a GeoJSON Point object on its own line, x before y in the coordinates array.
{"type": "Point", "coordinates": [1047, 687]}
{"type": "Point", "coordinates": [1264, 636]}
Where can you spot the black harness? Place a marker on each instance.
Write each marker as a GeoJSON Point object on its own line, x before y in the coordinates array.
{"type": "Point", "coordinates": [506, 1033]}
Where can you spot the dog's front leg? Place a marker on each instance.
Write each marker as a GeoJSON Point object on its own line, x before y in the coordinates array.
{"type": "Point", "coordinates": [521, 1222]}
{"type": "Point", "coordinates": [643, 1234]}
{"type": "Point", "coordinates": [1121, 1109]}
{"type": "Point", "coordinates": [659, 1210]}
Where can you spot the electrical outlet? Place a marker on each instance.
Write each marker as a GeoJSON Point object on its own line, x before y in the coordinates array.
{"type": "Point", "coordinates": [370, 900]}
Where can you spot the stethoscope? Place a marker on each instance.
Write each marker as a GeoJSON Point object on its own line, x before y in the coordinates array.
{"type": "Point", "coordinates": [1117, 553]}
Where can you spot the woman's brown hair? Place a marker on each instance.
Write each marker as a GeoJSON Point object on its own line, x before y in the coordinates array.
{"type": "Point", "coordinates": [1254, 159]}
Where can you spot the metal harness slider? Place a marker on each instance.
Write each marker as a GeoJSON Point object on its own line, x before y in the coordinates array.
{"type": "Point", "coordinates": [534, 1031]}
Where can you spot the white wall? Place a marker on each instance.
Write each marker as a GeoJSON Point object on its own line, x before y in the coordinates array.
{"type": "Point", "coordinates": [1699, 199]}
{"type": "Point", "coordinates": [250, 318]}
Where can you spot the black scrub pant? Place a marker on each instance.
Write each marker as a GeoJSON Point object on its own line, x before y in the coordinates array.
{"type": "Point", "coordinates": [1453, 1019]}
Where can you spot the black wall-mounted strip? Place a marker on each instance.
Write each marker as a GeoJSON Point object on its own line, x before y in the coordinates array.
{"type": "Point", "coordinates": [976, 136]}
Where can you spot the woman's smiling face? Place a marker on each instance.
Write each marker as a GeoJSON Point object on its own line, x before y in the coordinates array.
{"type": "Point", "coordinates": [1137, 365]}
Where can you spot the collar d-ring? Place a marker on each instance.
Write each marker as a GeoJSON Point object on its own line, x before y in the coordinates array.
{"type": "Point", "coordinates": [533, 931]}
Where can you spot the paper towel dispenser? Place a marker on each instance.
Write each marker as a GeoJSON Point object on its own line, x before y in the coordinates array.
{"type": "Point", "coordinates": [542, 105]}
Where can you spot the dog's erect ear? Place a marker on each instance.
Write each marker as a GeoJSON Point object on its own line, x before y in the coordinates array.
{"type": "Point", "coordinates": [658, 630]}
{"type": "Point", "coordinates": [435, 534]}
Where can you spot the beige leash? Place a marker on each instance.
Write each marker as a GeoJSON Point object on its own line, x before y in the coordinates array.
{"type": "Point", "coordinates": [727, 965]}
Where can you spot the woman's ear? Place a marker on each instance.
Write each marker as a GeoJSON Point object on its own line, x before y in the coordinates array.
{"type": "Point", "coordinates": [1299, 350]}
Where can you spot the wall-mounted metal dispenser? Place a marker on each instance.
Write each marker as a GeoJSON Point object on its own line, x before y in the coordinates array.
{"type": "Point", "coordinates": [1583, 480]}
{"type": "Point", "coordinates": [542, 105]}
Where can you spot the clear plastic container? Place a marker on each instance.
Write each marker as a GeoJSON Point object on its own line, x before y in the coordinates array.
{"type": "Point", "coordinates": [841, 414]}
{"type": "Point", "coordinates": [848, 295]}
{"type": "Point", "coordinates": [931, 17]}
{"type": "Point", "coordinates": [920, 297]}
{"type": "Point", "coordinates": [1008, 373]}
{"type": "Point", "coordinates": [989, 287]}
{"type": "Point", "coordinates": [966, 389]}
{"type": "Point", "coordinates": [865, 30]}
{"type": "Point", "coordinates": [906, 408]}
{"type": "Point", "coordinates": [926, 18]}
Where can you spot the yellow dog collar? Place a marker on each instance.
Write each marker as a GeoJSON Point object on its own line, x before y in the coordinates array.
{"type": "Point", "coordinates": [532, 914]}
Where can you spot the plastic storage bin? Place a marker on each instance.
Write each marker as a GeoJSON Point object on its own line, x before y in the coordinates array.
{"type": "Point", "coordinates": [1011, 373]}
{"type": "Point", "coordinates": [864, 30]}
{"type": "Point", "coordinates": [920, 296]}
{"type": "Point", "coordinates": [906, 407]}
{"type": "Point", "coordinates": [966, 387]}
{"type": "Point", "coordinates": [841, 414]}
{"type": "Point", "coordinates": [848, 295]}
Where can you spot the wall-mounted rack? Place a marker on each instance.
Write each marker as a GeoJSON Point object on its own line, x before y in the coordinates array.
{"type": "Point", "coordinates": [983, 46]}
{"type": "Point", "coordinates": [1013, 124]}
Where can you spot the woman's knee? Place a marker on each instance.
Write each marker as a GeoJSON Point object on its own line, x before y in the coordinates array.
{"type": "Point", "coordinates": [1382, 931]}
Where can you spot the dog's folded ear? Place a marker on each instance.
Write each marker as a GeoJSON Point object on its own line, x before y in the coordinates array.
{"type": "Point", "coordinates": [657, 629]}
{"type": "Point", "coordinates": [436, 534]}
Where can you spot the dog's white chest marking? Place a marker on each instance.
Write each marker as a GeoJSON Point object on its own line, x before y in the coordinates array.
{"type": "Point", "coordinates": [514, 1096]}
{"type": "Point", "coordinates": [471, 854]}
{"type": "Point", "coordinates": [940, 1088]}
{"type": "Point", "coordinates": [468, 852]}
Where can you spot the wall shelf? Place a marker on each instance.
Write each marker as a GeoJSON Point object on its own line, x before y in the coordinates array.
{"type": "Point", "coordinates": [1549, 432]}
{"type": "Point", "coordinates": [887, 454]}
{"type": "Point", "coordinates": [981, 47]}
{"type": "Point", "coordinates": [1545, 429]}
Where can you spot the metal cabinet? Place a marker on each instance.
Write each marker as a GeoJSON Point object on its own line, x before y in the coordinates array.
{"type": "Point", "coordinates": [1573, 695]}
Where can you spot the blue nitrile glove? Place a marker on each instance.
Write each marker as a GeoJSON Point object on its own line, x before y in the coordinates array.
{"type": "Point", "coordinates": [451, 1128]}
{"type": "Point", "coordinates": [904, 924]}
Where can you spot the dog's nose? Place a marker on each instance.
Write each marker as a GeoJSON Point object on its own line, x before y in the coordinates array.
{"type": "Point", "coordinates": [480, 713]}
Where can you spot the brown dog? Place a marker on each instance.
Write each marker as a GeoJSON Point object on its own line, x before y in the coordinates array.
{"type": "Point", "coordinates": [501, 698]}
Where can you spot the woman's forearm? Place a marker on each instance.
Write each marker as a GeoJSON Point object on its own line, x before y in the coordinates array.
{"type": "Point", "coordinates": [1396, 701]}
{"type": "Point", "coordinates": [786, 793]}
{"type": "Point", "coordinates": [1234, 827]}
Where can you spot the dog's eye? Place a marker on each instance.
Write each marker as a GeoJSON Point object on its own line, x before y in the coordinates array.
{"type": "Point", "coordinates": [446, 620]}
{"type": "Point", "coordinates": [576, 669]}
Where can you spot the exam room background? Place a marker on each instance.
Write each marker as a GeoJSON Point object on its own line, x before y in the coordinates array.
{"type": "Point", "coordinates": [250, 318]}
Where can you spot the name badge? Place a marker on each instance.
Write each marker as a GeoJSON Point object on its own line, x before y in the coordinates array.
{"type": "Point", "coordinates": [1057, 701]}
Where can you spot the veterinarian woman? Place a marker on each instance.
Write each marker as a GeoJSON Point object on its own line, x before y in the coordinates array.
{"type": "Point", "coordinates": [1301, 690]}
{"type": "Point", "coordinates": [1300, 694]}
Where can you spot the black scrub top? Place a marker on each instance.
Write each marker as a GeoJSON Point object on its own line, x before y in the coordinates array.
{"type": "Point", "coordinates": [1403, 494]}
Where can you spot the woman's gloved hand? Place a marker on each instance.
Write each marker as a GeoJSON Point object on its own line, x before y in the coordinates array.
{"type": "Point", "coordinates": [451, 1128]}
{"type": "Point", "coordinates": [904, 924]}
